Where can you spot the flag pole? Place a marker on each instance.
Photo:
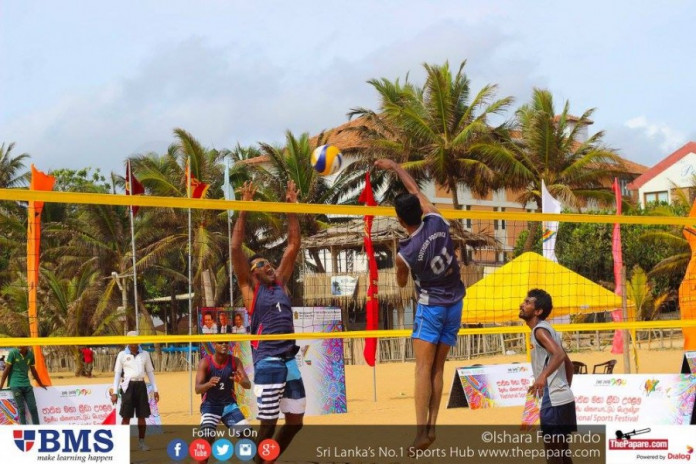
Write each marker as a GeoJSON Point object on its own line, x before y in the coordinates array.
{"type": "Point", "coordinates": [229, 195]}
{"type": "Point", "coordinates": [135, 274]}
{"type": "Point", "coordinates": [190, 288]}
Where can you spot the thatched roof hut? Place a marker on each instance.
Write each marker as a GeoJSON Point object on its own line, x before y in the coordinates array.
{"type": "Point", "coordinates": [386, 233]}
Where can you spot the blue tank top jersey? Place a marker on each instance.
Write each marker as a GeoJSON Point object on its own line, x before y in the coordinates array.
{"type": "Point", "coordinates": [271, 314]}
{"type": "Point", "coordinates": [221, 393]}
{"type": "Point", "coordinates": [429, 254]}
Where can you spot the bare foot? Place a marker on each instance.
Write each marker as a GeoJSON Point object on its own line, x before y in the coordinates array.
{"type": "Point", "coordinates": [420, 443]}
{"type": "Point", "coordinates": [431, 435]}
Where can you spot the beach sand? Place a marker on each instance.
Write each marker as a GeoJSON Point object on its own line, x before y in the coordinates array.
{"type": "Point", "coordinates": [394, 396]}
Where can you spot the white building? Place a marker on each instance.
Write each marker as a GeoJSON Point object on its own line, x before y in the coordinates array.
{"type": "Point", "coordinates": [661, 182]}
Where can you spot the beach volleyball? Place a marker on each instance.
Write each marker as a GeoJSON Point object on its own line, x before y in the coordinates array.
{"type": "Point", "coordinates": [327, 159]}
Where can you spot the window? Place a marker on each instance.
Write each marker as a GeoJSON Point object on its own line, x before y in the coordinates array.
{"type": "Point", "coordinates": [499, 224]}
{"type": "Point", "coordinates": [655, 197]}
{"type": "Point", "coordinates": [468, 221]}
{"type": "Point", "coordinates": [623, 185]}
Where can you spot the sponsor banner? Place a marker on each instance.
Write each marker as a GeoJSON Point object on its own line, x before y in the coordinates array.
{"type": "Point", "coordinates": [57, 443]}
{"type": "Point", "coordinates": [491, 386]}
{"type": "Point", "coordinates": [689, 363]}
{"type": "Point", "coordinates": [75, 404]}
{"type": "Point", "coordinates": [645, 442]}
{"type": "Point", "coordinates": [634, 399]}
{"type": "Point", "coordinates": [321, 361]}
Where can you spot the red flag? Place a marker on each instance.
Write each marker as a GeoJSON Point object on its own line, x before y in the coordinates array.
{"type": "Point", "coordinates": [372, 303]}
{"type": "Point", "coordinates": [617, 314]}
{"type": "Point", "coordinates": [194, 187]}
{"type": "Point", "coordinates": [133, 186]}
{"type": "Point", "coordinates": [111, 418]}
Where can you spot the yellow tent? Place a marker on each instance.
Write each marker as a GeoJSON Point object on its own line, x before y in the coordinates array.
{"type": "Point", "coordinates": [496, 298]}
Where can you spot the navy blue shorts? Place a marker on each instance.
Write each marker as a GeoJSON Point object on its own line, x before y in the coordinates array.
{"type": "Point", "coordinates": [228, 414]}
{"type": "Point", "coordinates": [559, 420]}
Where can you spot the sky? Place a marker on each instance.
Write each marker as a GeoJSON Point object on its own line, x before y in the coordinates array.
{"type": "Point", "coordinates": [87, 84]}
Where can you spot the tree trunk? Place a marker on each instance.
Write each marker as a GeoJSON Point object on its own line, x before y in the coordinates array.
{"type": "Point", "coordinates": [314, 253]}
{"type": "Point", "coordinates": [533, 228]}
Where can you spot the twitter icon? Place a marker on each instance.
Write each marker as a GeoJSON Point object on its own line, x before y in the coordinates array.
{"type": "Point", "coordinates": [223, 449]}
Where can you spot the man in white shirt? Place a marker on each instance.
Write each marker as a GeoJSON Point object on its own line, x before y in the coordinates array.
{"type": "Point", "coordinates": [209, 325]}
{"type": "Point", "coordinates": [134, 363]}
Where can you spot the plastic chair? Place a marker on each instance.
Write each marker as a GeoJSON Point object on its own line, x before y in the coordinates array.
{"type": "Point", "coordinates": [579, 367]}
{"type": "Point", "coordinates": [605, 367]}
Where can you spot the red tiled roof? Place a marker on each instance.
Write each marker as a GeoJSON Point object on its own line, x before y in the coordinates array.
{"type": "Point", "coordinates": [690, 147]}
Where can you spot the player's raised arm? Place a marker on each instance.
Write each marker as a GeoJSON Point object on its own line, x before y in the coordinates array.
{"type": "Point", "coordinates": [287, 263]}
{"type": "Point", "coordinates": [409, 183]}
{"type": "Point", "coordinates": [239, 260]}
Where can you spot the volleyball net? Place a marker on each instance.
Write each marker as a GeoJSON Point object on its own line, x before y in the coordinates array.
{"type": "Point", "coordinates": [85, 291]}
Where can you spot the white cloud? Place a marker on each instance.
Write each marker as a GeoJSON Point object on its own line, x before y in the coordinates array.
{"type": "Point", "coordinates": [667, 138]}
{"type": "Point", "coordinates": [228, 94]}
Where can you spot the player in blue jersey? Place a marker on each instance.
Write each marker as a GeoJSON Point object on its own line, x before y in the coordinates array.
{"type": "Point", "coordinates": [277, 382]}
{"type": "Point", "coordinates": [428, 255]}
{"type": "Point", "coordinates": [215, 380]}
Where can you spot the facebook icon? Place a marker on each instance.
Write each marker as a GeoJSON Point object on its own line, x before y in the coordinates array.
{"type": "Point", "coordinates": [177, 449]}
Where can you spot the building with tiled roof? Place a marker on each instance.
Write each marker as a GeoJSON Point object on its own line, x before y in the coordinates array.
{"type": "Point", "coordinates": [661, 182]}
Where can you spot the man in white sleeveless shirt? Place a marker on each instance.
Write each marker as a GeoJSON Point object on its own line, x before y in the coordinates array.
{"type": "Point", "coordinates": [553, 375]}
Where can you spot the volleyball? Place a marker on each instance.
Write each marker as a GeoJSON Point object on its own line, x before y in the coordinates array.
{"type": "Point", "coordinates": [327, 159]}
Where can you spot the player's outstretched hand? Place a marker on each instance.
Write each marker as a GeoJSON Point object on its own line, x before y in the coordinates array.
{"type": "Point", "coordinates": [384, 163]}
{"type": "Point", "coordinates": [248, 191]}
{"type": "Point", "coordinates": [291, 193]}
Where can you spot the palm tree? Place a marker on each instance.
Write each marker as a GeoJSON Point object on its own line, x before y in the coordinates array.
{"type": "Point", "coordinates": [166, 242]}
{"type": "Point", "coordinates": [292, 162]}
{"type": "Point", "coordinates": [437, 131]}
{"type": "Point", "coordinates": [549, 147]}
{"type": "Point", "coordinates": [12, 168]}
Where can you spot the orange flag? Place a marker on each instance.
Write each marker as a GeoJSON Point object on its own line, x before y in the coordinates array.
{"type": "Point", "coordinates": [194, 187]}
{"type": "Point", "coordinates": [43, 182]}
{"type": "Point", "coordinates": [687, 289]}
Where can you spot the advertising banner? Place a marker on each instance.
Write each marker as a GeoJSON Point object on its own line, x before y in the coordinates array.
{"type": "Point", "coordinates": [321, 361]}
{"type": "Point", "coordinates": [491, 386]}
{"type": "Point", "coordinates": [73, 404]}
{"type": "Point", "coordinates": [631, 400]}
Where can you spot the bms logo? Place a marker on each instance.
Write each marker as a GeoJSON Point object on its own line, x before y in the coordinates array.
{"type": "Point", "coordinates": [24, 439]}
{"type": "Point", "coordinates": [65, 441]}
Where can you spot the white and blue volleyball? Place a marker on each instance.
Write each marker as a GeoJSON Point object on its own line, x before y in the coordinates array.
{"type": "Point", "coordinates": [327, 159]}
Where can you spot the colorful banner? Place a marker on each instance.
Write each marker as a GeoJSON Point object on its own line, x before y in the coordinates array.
{"type": "Point", "coordinates": [232, 321]}
{"type": "Point", "coordinates": [321, 361]}
{"type": "Point", "coordinates": [632, 400]}
{"type": "Point", "coordinates": [72, 404]}
{"type": "Point", "coordinates": [689, 363]}
{"type": "Point", "coordinates": [491, 386]}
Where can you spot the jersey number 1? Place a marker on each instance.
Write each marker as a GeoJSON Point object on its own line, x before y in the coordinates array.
{"type": "Point", "coordinates": [440, 262]}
